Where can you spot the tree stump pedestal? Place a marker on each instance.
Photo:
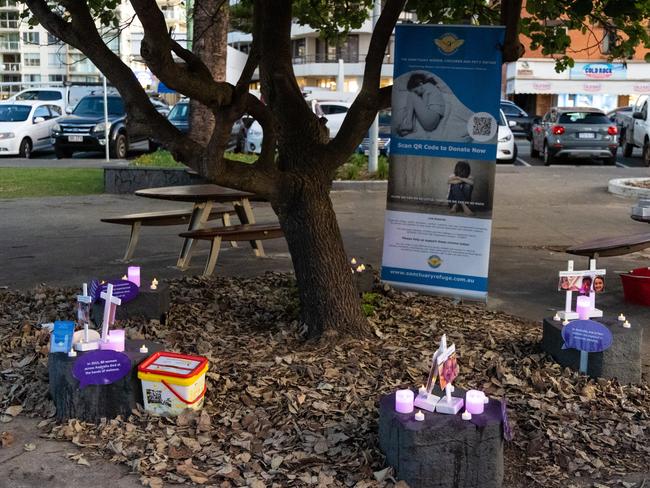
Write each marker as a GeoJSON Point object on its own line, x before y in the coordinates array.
{"type": "Point", "coordinates": [95, 402]}
{"type": "Point", "coordinates": [443, 451]}
{"type": "Point", "coordinates": [621, 361]}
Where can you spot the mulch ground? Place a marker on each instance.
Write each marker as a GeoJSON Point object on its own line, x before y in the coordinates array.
{"type": "Point", "coordinates": [284, 412]}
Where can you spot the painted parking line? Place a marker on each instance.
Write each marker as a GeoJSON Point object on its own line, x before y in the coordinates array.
{"type": "Point", "coordinates": [621, 165]}
{"type": "Point", "coordinates": [522, 162]}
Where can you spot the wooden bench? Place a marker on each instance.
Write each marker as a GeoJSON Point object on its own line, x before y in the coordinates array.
{"type": "Point", "coordinates": [244, 232]}
{"type": "Point", "coordinates": [167, 217]}
{"type": "Point", "coordinates": [611, 246]}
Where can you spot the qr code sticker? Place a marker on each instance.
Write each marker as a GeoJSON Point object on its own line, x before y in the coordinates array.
{"type": "Point", "coordinates": [154, 396]}
{"type": "Point", "coordinates": [482, 127]}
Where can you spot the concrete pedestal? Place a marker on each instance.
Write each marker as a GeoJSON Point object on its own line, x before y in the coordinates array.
{"type": "Point", "coordinates": [149, 304]}
{"type": "Point", "coordinates": [621, 361]}
{"type": "Point", "coordinates": [95, 402]}
{"type": "Point", "coordinates": [443, 451]}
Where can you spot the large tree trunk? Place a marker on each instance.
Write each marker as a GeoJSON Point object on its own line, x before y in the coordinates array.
{"type": "Point", "coordinates": [210, 44]}
{"type": "Point", "coordinates": [329, 301]}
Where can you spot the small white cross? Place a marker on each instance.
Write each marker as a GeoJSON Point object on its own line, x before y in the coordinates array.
{"type": "Point", "coordinates": [445, 353]}
{"type": "Point", "coordinates": [110, 306]}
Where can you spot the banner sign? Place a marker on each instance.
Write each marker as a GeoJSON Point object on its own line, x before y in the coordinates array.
{"type": "Point", "coordinates": [445, 120]}
{"type": "Point", "coordinates": [598, 71]}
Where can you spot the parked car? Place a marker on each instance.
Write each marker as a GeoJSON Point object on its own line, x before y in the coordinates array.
{"type": "Point", "coordinates": [523, 121]}
{"type": "Point", "coordinates": [383, 141]}
{"type": "Point", "coordinates": [635, 130]}
{"type": "Point", "coordinates": [83, 130]}
{"type": "Point", "coordinates": [335, 113]}
{"type": "Point", "coordinates": [26, 127]}
{"type": "Point", "coordinates": [575, 132]}
{"type": "Point", "coordinates": [160, 106]}
{"type": "Point", "coordinates": [506, 146]}
{"type": "Point", "coordinates": [65, 97]}
{"type": "Point", "coordinates": [179, 116]}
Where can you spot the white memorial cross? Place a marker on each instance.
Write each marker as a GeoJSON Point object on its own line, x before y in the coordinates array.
{"type": "Point", "coordinates": [110, 306]}
{"type": "Point", "coordinates": [568, 313]}
{"type": "Point", "coordinates": [425, 399]}
{"type": "Point", "coordinates": [448, 404]}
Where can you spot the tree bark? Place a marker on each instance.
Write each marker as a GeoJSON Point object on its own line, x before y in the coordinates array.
{"type": "Point", "coordinates": [329, 301]}
{"type": "Point", "coordinates": [210, 44]}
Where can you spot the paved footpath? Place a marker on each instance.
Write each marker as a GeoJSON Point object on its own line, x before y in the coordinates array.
{"type": "Point", "coordinates": [537, 212]}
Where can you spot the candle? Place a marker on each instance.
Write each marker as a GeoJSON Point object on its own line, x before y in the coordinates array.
{"type": "Point", "coordinates": [474, 402]}
{"type": "Point", "coordinates": [466, 415]}
{"type": "Point", "coordinates": [422, 391]}
{"type": "Point", "coordinates": [359, 269]}
{"type": "Point", "coordinates": [627, 324]}
{"type": "Point", "coordinates": [363, 267]}
{"type": "Point", "coordinates": [125, 278]}
{"type": "Point", "coordinates": [419, 416]}
{"type": "Point", "coordinates": [404, 401]}
{"type": "Point", "coordinates": [565, 322]}
{"type": "Point", "coordinates": [154, 284]}
{"type": "Point", "coordinates": [134, 275]}
{"type": "Point", "coordinates": [557, 317]}
{"type": "Point", "coordinates": [583, 307]}
{"type": "Point", "coordinates": [144, 349]}
{"type": "Point", "coordinates": [353, 261]}
{"type": "Point", "coordinates": [72, 353]}
{"type": "Point", "coordinates": [114, 342]}
{"type": "Point", "coordinates": [621, 317]}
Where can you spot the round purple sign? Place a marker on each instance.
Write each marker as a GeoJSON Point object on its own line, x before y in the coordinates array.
{"type": "Point", "coordinates": [101, 367]}
{"type": "Point", "coordinates": [586, 335]}
{"type": "Point", "coordinates": [122, 289]}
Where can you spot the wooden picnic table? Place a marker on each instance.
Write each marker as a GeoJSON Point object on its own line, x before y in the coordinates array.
{"type": "Point", "coordinates": [203, 197]}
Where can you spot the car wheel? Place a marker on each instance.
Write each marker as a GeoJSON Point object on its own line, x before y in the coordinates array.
{"type": "Point", "coordinates": [534, 153]}
{"type": "Point", "coordinates": [627, 147]}
{"type": "Point", "coordinates": [119, 148]}
{"type": "Point", "coordinates": [547, 156]}
{"type": "Point", "coordinates": [645, 154]}
{"type": "Point", "coordinates": [515, 151]}
{"type": "Point", "coordinates": [25, 149]}
{"type": "Point", "coordinates": [62, 153]}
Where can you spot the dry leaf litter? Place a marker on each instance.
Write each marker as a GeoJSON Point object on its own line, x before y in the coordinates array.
{"type": "Point", "coordinates": [284, 412]}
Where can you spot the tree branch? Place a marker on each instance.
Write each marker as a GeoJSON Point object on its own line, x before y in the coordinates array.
{"type": "Point", "coordinates": [510, 17]}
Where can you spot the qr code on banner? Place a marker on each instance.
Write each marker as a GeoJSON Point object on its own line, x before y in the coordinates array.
{"type": "Point", "coordinates": [482, 126]}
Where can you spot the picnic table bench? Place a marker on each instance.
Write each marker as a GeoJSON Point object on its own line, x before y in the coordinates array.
{"type": "Point", "coordinates": [243, 232]}
{"type": "Point", "coordinates": [162, 218]}
{"type": "Point", "coordinates": [611, 246]}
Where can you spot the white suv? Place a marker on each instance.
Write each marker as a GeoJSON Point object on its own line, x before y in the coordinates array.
{"type": "Point", "coordinates": [26, 127]}
{"type": "Point", "coordinates": [335, 113]}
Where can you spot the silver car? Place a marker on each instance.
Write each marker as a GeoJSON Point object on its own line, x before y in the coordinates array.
{"type": "Point", "coordinates": [575, 132]}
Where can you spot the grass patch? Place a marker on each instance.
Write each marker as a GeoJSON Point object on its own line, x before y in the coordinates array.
{"type": "Point", "coordinates": [356, 168]}
{"type": "Point", "coordinates": [50, 182]}
{"type": "Point", "coordinates": [156, 159]}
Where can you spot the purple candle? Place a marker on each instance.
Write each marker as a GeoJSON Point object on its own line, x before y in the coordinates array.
{"type": "Point", "coordinates": [474, 402]}
{"type": "Point", "coordinates": [583, 307]}
{"type": "Point", "coordinates": [404, 401]}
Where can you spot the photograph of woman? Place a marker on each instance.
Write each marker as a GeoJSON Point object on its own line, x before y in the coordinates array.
{"type": "Point", "coordinates": [425, 108]}
{"type": "Point", "coordinates": [599, 284]}
{"type": "Point", "coordinates": [585, 289]}
{"type": "Point", "coordinates": [461, 185]}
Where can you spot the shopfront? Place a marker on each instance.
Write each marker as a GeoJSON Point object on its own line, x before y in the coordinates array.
{"type": "Point", "coordinates": [536, 86]}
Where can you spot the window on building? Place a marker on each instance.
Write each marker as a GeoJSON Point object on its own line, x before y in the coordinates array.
{"type": "Point", "coordinates": [331, 52]}
{"type": "Point", "coordinates": [55, 60]}
{"type": "Point", "coordinates": [32, 59]}
{"type": "Point", "coordinates": [55, 78]}
{"type": "Point", "coordinates": [8, 3]}
{"type": "Point", "coordinates": [31, 37]}
{"type": "Point", "coordinates": [9, 20]}
{"type": "Point", "coordinates": [299, 50]}
{"type": "Point", "coordinates": [10, 41]}
{"type": "Point", "coordinates": [53, 39]}
{"type": "Point", "coordinates": [32, 78]}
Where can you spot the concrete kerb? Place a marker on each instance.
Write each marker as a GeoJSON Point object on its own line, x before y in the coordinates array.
{"type": "Point", "coordinates": [621, 186]}
{"type": "Point", "coordinates": [366, 185]}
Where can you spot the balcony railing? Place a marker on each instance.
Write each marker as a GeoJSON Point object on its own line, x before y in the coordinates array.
{"type": "Point", "coordinates": [9, 46]}
{"type": "Point", "coordinates": [10, 67]}
{"type": "Point", "coordinates": [9, 24]}
{"type": "Point", "coordinates": [322, 58]}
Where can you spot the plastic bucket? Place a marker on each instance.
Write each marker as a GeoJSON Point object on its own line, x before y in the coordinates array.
{"type": "Point", "coordinates": [172, 382]}
{"type": "Point", "coordinates": [636, 286]}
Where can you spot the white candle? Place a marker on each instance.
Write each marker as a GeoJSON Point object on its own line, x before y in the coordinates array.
{"type": "Point", "coordinates": [72, 353]}
{"type": "Point", "coordinates": [154, 284]}
{"type": "Point", "coordinates": [466, 415]}
{"type": "Point", "coordinates": [404, 401]}
{"type": "Point", "coordinates": [144, 349]}
{"type": "Point", "coordinates": [422, 391]}
{"type": "Point", "coordinates": [474, 402]}
{"type": "Point", "coordinates": [134, 275]}
{"type": "Point", "coordinates": [419, 416]}
{"type": "Point", "coordinates": [621, 317]}
{"type": "Point", "coordinates": [627, 324]}
{"type": "Point", "coordinates": [557, 317]}
{"type": "Point", "coordinates": [566, 322]}
{"type": "Point", "coordinates": [125, 278]}
{"type": "Point", "coordinates": [353, 261]}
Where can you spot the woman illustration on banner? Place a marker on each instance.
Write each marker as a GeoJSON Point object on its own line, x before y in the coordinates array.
{"type": "Point", "coordinates": [425, 108]}
{"type": "Point", "coordinates": [461, 185]}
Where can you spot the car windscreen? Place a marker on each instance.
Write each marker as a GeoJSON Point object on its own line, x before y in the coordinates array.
{"type": "Point", "coordinates": [14, 113]}
{"type": "Point", "coordinates": [583, 118]}
{"type": "Point", "coordinates": [179, 113]}
{"type": "Point", "coordinates": [95, 106]}
{"type": "Point", "coordinates": [502, 119]}
{"type": "Point", "coordinates": [40, 95]}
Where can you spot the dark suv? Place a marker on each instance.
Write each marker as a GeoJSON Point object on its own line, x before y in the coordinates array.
{"type": "Point", "coordinates": [84, 129]}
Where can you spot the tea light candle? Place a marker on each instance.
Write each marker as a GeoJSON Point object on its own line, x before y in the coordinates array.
{"type": "Point", "coordinates": [566, 322]}
{"type": "Point", "coordinates": [125, 278]}
{"type": "Point", "coordinates": [466, 415]}
{"type": "Point", "coordinates": [134, 275]}
{"type": "Point", "coordinates": [583, 307]}
{"type": "Point", "coordinates": [627, 324]}
{"type": "Point", "coordinates": [621, 317]}
{"type": "Point", "coordinates": [474, 402]}
{"type": "Point", "coordinates": [353, 261]}
{"type": "Point", "coordinates": [72, 353]}
{"type": "Point", "coordinates": [419, 416]}
{"type": "Point", "coordinates": [363, 267]}
{"type": "Point", "coordinates": [144, 349]}
{"type": "Point", "coordinates": [556, 317]}
{"type": "Point", "coordinates": [359, 269]}
{"type": "Point", "coordinates": [115, 341]}
{"type": "Point", "coordinates": [154, 284]}
{"type": "Point", "coordinates": [404, 401]}
{"type": "Point", "coordinates": [422, 391]}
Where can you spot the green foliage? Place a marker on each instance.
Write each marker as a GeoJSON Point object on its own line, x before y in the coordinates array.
{"type": "Point", "coordinates": [369, 303]}
{"type": "Point", "coordinates": [157, 159]}
{"type": "Point", "coordinates": [356, 168]}
{"type": "Point", "coordinates": [382, 168]}
{"type": "Point", "coordinates": [45, 182]}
